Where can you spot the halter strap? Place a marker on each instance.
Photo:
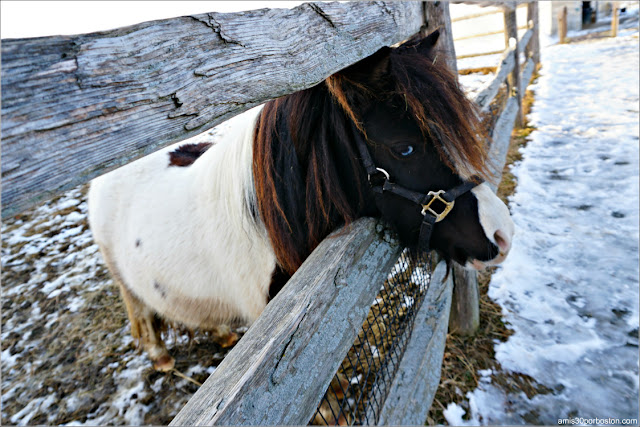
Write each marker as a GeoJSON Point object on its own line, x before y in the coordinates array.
{"type": "Point", "coordinates": [436, 205]}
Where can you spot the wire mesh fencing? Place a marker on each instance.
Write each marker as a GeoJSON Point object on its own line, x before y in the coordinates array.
{"type": "Point", "coordinates": [358, 390]}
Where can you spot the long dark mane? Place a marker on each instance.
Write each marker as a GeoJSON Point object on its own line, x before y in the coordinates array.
{"type": "Point", "coordinates": [306, 165]}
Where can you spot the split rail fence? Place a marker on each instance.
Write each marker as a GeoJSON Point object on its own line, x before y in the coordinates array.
{"type": "Point", "coordinates": [76, 107]}
{"type": "Point", "coordinates": [465, 315]}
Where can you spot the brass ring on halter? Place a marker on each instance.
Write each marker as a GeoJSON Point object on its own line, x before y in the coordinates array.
{"type": "Point", "coordinates": [436, 195]}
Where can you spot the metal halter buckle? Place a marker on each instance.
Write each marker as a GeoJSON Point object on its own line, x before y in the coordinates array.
{"type": "Point", "coordinates": [435, 195]}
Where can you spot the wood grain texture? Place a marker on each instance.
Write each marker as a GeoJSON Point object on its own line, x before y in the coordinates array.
{"type": "Point", "coordinates": [437, 16]}
{"type": "Point", "coordinates": [562, 25]}
{"type": "Point", "coordinates": [280, 369]}
{"type": "Point", "coordinates": [75, 107]}
{"type": "Point", "coordinates": [527, 72]}
{"type": "Point", "coordinates": [501, 136]}
{"type": "Point", "coordinates": [524, 41]}
{"type": "Point", "coordinates": [511, 33]}
{"type": "Point", "coordinates": [615, 19]}
{"type": "Point", "coordinates": [533, 49]}
{"type": "Point", "coordinates": [465, 306]}
{"type": "Point", "coordinates": [415, 384]}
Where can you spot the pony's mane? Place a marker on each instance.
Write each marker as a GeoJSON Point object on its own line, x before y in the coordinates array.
{"type": "Point", "coordinates": [299, 148]}
{"type": "Point", "coordinates": [306, 166]}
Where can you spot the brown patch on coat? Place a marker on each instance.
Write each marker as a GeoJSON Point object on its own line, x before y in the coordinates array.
{"type": "Point", "coordinates": [186, 154]}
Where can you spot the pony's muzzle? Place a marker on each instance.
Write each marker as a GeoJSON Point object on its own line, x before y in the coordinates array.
{"type": "Point", "coordinates": [502, 240]}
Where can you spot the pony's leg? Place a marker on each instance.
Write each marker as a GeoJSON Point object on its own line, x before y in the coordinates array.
{"type": "Point", "coordinates": [146, 329]}
{"type": "Point", "coordinates": [145, 326]}
{"type": "Point", "coordinates": [224, 337]}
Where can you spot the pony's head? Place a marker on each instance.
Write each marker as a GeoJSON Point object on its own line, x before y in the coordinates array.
{"type": "Point", "coordinates": [402, 111]}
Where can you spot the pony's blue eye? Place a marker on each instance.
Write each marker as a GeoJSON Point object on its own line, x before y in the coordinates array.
{"type": "Point", "coordinates": [407, 151]}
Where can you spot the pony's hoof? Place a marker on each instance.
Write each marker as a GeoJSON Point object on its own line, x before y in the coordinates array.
{"type": "Point", "coordinates": [164, 363]}
{"type": "Point", "coordinates": [228, 340]}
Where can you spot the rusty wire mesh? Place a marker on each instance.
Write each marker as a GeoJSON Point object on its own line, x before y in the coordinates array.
{"type": "Point", "coordinates": [358, 390]}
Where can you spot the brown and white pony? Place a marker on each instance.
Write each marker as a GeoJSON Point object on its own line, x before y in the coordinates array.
{"type": "Point", "coordinates": [203, 244]}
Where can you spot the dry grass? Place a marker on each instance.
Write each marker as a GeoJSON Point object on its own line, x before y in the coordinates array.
{"type": "Point", "coordinates": [482, 70]}
{"type": "Point", "coordinates": [464, 356]}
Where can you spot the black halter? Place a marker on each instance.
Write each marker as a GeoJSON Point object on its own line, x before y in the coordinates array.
{"type": "Point", "coordinates": [436, 205]}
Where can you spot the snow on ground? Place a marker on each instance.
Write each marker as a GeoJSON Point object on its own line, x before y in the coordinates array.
{"type": "Point", "coordinates": [569, 288]}
{"type": "Point", "coordinates": [473, 83]}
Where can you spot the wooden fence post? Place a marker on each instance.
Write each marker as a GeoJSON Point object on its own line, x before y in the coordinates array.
{"type": "Point", "coordinates": [511, 32]}
{"type": "Point", "coordinates": [615, 19]}
{"type": "Point", "coordinates": [562, 25]}
{"type": "Point", "coordinates": [465, 304]}
{"type": "Point", "coordinates": [436, 15]}
{"type": "Point", "coordinates": [533, 48]}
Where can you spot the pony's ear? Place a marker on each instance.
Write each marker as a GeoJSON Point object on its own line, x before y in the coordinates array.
{"type": "Point", "coordinates": [430, 41]}
{"type": "Point", "coordinates": [424, 45]}
{"type": "Point", "coordinates": [370, 69]}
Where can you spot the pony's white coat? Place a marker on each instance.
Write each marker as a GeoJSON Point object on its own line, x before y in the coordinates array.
{"type": "Point", "coordinates": [182, 239]}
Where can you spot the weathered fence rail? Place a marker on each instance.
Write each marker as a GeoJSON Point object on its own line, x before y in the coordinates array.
{"type": "Point", "coordinates": [76, 107]}
{"type": "Point", "coordinates": [280, 369]}
{"type": "Point", "coordinates": [416, 382]}
{"type": "Point", "coordinates": [484, 98]}
{"type": "Point", "coordinates": [511, 114]}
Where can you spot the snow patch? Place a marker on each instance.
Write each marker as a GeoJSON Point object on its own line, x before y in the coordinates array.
{"type": "Point", "coordinates": [569, 287]}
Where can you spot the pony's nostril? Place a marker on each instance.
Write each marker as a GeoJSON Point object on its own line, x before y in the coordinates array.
{"type": "Point", "coordinates": [502, 241]}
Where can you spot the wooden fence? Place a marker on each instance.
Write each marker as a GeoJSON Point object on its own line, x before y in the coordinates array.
{"type": "Point", "coordinates": [77, 107]}
{"type": "Point", "coordinates": [563, 25]}
{"type": "Point", "coordinates": [465, 315]}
